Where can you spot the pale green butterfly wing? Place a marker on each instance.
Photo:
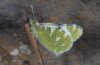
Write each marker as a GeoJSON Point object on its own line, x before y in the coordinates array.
{"type": "Point", "coordinates": [56, 38]}
{"type": "Point", "coordinates": [76, 31]}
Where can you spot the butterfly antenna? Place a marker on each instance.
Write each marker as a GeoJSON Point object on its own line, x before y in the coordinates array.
{"type": "Point", "coordinates": [32, 17]}
{"type": "Point", "coordinates": [33, 12]}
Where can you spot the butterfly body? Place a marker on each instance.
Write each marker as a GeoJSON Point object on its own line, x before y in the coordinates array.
{"type": "Point", "coordinates": [56, 38]}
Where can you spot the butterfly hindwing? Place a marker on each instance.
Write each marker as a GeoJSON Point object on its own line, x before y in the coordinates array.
{"type": "Point", "coordinates": [57, 38]}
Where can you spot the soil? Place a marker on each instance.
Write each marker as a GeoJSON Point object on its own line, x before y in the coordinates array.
{"type": "Point", "coordinates": [86, 13]}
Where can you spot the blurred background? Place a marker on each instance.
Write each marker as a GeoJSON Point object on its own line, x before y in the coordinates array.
{"type": "Point", "coordinates": [15, 48]}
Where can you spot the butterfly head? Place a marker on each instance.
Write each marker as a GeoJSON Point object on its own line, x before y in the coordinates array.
{"type": "Point", "coordinates": [34, 25]}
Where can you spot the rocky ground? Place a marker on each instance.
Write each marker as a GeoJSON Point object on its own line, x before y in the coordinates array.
{"type": "Point", "coordinates": [15, 48]}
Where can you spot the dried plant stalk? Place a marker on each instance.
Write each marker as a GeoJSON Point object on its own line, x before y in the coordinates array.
{"type": "Point", "coordinates": [34, 45]}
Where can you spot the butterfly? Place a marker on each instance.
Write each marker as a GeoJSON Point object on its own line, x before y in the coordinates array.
{"type": "Point", "coordinates": [56, 38]}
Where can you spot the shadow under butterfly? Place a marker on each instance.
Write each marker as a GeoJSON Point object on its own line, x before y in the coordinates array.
{"type": "Point", "coordinates": [56, 38]}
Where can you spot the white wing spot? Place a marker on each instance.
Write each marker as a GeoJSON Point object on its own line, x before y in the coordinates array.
{"type": "Point", "coordinates": [15, 52]}
{"type": "Point", "coordinates": [63, 45]}
{"type": "Point", "coordinates": [57, 39]}
{"type": "Point", "coordinates": [65, 29]}
{"type": "Point", "coordinates": [45, 27]}
{"type": "Point", "coordinates": [52, 29]}
{"type": "Point", "coordinates": [37, 23]}
{"type": "Point", "coordinates": [74, 27]}
{"type": "Point", "coordinates": [60, 30]}
{"type": "Point", "coordinates": [50, 25]}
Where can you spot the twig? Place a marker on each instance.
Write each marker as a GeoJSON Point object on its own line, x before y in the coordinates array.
{"type": "Point", "coordinates": [34, 45]}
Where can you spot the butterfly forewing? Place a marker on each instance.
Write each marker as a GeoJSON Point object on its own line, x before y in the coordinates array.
{"type": "Point", "coordinates": [76, 31]}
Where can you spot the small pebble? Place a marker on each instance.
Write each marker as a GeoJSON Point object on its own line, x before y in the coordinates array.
{"type": "Point", "coordinates": [15, 52]}
{"type": "Point", "coordinates": [24, 49]}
